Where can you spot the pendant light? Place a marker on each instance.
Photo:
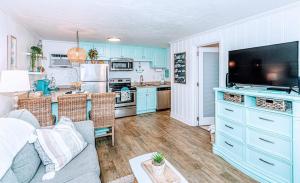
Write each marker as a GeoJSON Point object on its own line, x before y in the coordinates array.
{"type": "Point", "coordinates": [77, 55]}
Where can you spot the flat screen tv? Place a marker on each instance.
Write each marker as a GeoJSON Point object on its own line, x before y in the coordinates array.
{"type": "Point", "coordinates": [274, 65]}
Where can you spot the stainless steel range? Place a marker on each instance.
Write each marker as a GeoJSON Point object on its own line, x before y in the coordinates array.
{"type": "Point", "coordinates": [124, 107]}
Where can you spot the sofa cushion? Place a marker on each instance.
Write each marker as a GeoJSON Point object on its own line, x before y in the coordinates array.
{"type": "Point", "coordinates": [84, 163]}
{"type": "Point", "coordinates": [9, 177]}
{"type": "Point", "coordinates": [59, 144]}
{"type": "Point", "coordinates": [24, 115]}
{"type": "Point", "coordinates": [26, 163]}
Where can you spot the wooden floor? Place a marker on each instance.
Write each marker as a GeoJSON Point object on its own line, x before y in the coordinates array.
{"type": "Point", "coordinates": [187, 148]}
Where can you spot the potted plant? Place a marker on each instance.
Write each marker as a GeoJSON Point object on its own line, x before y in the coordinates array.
{"type": "Point", "coordinates": [36, 54]}
{"type": "Point", "coordinates": [158, 162]}
{"type": "Point", "coordinates": [93, 54]}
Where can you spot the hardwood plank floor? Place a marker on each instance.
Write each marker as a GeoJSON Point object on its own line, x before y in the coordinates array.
{"type": "Point", "coordinates": [187, 148]}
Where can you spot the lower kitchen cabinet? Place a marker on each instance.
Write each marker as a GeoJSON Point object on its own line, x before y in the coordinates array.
{"type": "Point", "coordinates": [146, 100]}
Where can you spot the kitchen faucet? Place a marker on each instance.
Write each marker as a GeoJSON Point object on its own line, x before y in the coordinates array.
{"type": "Point", "coordinates": [141, 79]}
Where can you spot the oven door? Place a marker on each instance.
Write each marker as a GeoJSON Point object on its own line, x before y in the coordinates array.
{"type": "Point", "coordinates": [121, 66]}
{"type": "Point", "coordinates": [130, 102]}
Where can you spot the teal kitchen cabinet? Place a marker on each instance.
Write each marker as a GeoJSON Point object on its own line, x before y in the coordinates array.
{"type": "Point", "coordinates": [139, 53]}
{"type": "Point", "coordinates": [103, 50]}
{"type": "Point", "coordinates": [115, 51]}
{"type": "Point", "coordinates": [128, 51]}
{"type": "Point", "coordinates": [149, 54]}
{"type": "Point", "coordinates": [146, 100]}
{"type": "Point", "coordinates": [160, 58]}
{"type": "Point", "coordinates": [143, 54]}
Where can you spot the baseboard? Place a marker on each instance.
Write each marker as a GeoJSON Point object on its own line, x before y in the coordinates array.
{"type": "Point", "coordinates": [181, 119]}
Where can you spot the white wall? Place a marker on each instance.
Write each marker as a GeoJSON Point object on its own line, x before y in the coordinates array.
{"type": "Point", "coordinates": [277, 26]}
{"type": "Point", "coordinates": [65, 76]}
{"type": "Point", "coordinates": [25, 39]}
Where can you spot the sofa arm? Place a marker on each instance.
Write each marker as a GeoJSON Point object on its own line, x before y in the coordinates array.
{"type": "Point", "coordinates": [86, 128]}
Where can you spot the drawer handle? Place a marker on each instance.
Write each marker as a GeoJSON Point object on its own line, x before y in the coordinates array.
{"type": "Point", "coordinates": [265, 119]}
{"type": "Point", "coordinates": [228, 144]}
{"type": "Point", "coordinates": [230, 127]}
{"type": "Point", "coordinates": [264, 161]}
{"type": "Point", "coordinates": [230, 110]}
{"type": "Point", "coordinates": [262, 139]}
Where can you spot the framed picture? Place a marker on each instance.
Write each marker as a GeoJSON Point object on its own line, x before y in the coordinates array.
{"type": "Point", "coordinates": [11, 52]}
{"type": "Point", "coordinates": [180, 68]}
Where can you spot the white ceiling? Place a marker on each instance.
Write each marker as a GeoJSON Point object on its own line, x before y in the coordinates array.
{"type": "Point", "coordinates": [145, 22]}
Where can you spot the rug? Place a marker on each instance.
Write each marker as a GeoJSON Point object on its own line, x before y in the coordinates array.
{"type": "Point", "coordinates": [126, 179]}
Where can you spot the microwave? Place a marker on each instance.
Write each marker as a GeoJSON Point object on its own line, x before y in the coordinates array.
{"type": "Point", "coordinates": [121, 64]}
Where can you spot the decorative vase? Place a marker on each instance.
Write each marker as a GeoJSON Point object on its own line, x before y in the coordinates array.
{"type": "Point", "coordinates": [158, 169]}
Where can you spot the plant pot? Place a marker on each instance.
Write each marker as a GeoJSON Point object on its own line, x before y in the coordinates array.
{"type": "Point", "coordinates": [158, 169]}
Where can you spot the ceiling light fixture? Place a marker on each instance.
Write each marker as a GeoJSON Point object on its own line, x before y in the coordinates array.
{"type": "Point", "coordinates": [77, 55]}
{"type": "Point", "coordinates": [114, 39]}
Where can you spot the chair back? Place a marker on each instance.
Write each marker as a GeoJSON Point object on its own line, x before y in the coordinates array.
{"type": "Point", "coordinates": [103, 109]}
{"type": "Point", "coordinates": [72, 106]}
{"type": "Point", "coordinates": [40, 107]}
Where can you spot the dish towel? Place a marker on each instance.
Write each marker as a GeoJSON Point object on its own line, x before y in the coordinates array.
{"type": "Point", "coordinates": [125, 94]}
{"type": "Point", "coordinates": [14, 134]}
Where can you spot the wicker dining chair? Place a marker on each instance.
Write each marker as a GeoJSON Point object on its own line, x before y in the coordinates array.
{"type": "Point", "coordinates": [103, 111]}
{"type": "Point", "coordinates": [72, 106]}
{"type": "Point", "coordinates": [40, 107]}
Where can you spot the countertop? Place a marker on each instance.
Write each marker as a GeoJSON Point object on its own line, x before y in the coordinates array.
{"type": "Point", "coordinates": [63, 90]}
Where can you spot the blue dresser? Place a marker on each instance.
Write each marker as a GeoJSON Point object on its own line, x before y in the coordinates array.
{"type": "Point", "coordinates": [262, 143]}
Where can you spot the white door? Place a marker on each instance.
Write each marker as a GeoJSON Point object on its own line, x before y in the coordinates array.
{"type": "Point", "coordinates": [208, 79]}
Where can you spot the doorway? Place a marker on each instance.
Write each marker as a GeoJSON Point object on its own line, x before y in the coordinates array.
{"type": "Point", "coordinates": [208, 69]}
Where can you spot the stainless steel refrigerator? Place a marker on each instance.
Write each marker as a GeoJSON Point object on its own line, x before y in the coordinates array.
{"type": "Point", "coordinates": [94, 77]}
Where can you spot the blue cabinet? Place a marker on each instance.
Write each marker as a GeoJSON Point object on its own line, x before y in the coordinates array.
{"type": "Point", "coordinates": [115, 51]}
{"type": "Point", "coordinates": [158, 57]}
{"type": "Point", "coordinates": [146, 100]}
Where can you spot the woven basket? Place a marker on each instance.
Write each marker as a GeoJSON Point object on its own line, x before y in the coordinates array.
{"type": "Point", "coordinates": [236, 98]}
{"type": "Point", "coordinates": [40, 107]}
{"type": "Point", "coordinates": [273, 104]}
{"type": "Point", "coordinates": [72, 106]}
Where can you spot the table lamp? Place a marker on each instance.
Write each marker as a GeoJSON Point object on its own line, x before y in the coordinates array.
{"type": "Point", "coordinates": [13, 82]}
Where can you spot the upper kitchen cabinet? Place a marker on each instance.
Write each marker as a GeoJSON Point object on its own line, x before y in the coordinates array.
{"type": "Point", "coordinates": [160, 58]}
{"type": "Point", "coordinates": [144, 54]}
{"type": "Point", "coordinates": [115, 51]}
{"type": "Point", "coordinates": [102, 48]}
{"type": "Point", "coordinates": [128, 51]}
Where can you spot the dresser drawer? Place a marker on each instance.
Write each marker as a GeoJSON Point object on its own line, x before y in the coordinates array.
{"type": "Point", "coordinates": [274, 145]}
{"type": "Point", "coordinates": [277, 123]}
{"type": "Point", "coordinates": [230, 145]}
{"type": "Point", "coordinates": [272, 167]}
{"type": "Point", "coordinates": [231, 111]}
{"type": "Point", "coordinates": [230, 128]}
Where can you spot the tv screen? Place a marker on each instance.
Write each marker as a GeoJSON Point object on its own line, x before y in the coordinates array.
{"type": "Point", "coordinates": [274, 65]}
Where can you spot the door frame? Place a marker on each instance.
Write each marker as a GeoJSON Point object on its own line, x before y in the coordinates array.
{"type": "Point", "coordinates": [200, 50]}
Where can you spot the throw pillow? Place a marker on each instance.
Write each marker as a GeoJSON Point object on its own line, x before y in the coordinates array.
{"type": "Point", "coordinates": [57, 146]}
{"type": "Point", "coordinates": [26, 163]}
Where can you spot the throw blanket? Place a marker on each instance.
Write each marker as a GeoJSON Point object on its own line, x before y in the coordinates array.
{"type": "Point", "coordinates": [14, 134]}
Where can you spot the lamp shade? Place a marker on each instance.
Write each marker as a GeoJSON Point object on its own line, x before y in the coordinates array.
{"type": "Point", "coordinates": [14, 81]}
{"type": "Point", "coordinates": [77, 55]}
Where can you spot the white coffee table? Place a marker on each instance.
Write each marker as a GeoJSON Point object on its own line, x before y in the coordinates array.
{"type": "Point", "coordinates": [140, 174]}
